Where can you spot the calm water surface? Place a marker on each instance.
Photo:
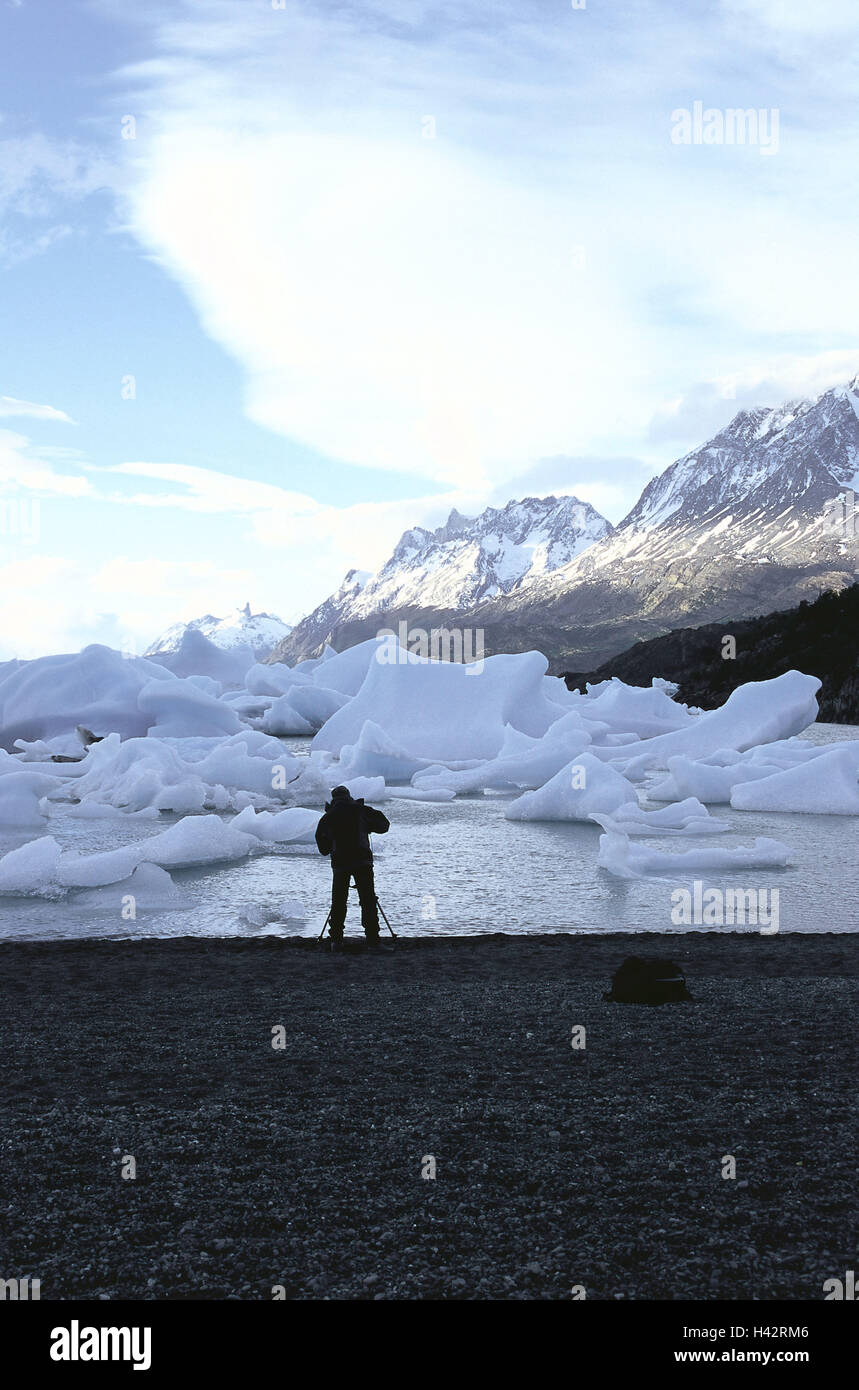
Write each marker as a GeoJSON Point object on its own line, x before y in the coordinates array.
{"type": "Point", "coordinates": [460, 867]}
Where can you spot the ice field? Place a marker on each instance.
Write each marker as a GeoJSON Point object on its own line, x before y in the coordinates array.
{"type": "Point", "coordinates": [516, 805]}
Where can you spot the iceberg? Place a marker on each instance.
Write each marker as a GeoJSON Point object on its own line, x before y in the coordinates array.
{"type": "Point", "coordinates": [180, 709]}
{"type": "Point", "coordinates": [582, 787]}
{"type": "Point", "coordinates": [687, 817]}
{"type": "Point", "coordinates": [197, 656]}
{"type": "Point", "coordinates": [444, 711]}
{"type": "Point", "coordinates": [625, 860]}
{"type": "Point", "coordinates": [755, 713]}
{"type": "Point", "coordinates": [827, 785]}
{"type": "Point", "coordinates": [97, 687]}
{"type": "Point", "coordinates": [152, 888]}
{"type": "Point", "coordinates": [21, 796]}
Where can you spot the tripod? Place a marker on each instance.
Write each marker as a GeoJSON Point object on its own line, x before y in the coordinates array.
{"type": "Point", "coordinates": [379, 906]}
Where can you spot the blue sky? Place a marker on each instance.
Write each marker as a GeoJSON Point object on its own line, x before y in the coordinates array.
{"type": "Point", "coordinates": [364, 262]}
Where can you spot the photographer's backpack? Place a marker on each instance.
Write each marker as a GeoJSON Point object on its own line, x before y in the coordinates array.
{"type": "Point", "coordinates": [648, 980]}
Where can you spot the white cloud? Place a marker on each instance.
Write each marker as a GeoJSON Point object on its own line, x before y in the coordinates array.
{"type": "Point", "coordinates": [707, 406]}
{"type": "Point", "coordinates": [25, 468]}
{"type": "Point", "coordinates": [611, 484]}
{"type": "Point", "coordinates": [819, 20]}
{"type": "Point", "coordinates": [206, 490]}
{"type": "Point", "coordinates": [63, 604]}
{"type": "Point", "coordinates": [457, 307]}
{"type": "Point", "coordinates": [318, 542]}
{"type": "Point", "coordinates": [38, 620]}
{"type": "Point", "coordinates": [11, 408]}
{"type": "Point", "coordinates": [361, 282]}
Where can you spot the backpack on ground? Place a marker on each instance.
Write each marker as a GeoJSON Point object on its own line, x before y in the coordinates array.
{"type": "Point", "coordinates": [648, 980]}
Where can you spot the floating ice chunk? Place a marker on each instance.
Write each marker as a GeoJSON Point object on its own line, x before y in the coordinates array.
{"type": "Point", "coordinates": [284, 720]}
{"type": "Point", "coordinates": [376, 755]}
{"type": "Point", "coordinates": [302, 710]}
{"type": "Point", "coordinates": [706, 781]}
{"type": "Point", "coordinates": [366, 788]}
{"type": "Point", "coordinates": [32, 870]}
{"type": "Point", "coordinates": [259, 914]}
{"type": "Point", "coordinates": [197, 656]}
{"type": "Point", "coordinates": [97, 687]}
{"type": "Point", "coordinates": [444, 711]}
{"type": "Point", "coordinates": [207, 685]}
{"type": "Point", "coordinates": [274, 679]}
{"type": "Point", "coordinates": [247, 706]}
{"type": "Point", "coordinates": [755, 713]}
{"type": "Point", "coordinates": [346, 671]}
{"type": "Point", "coordinates": [645, 710]}
{"type": "Point", "coordinates": [196, 840]}
{"type": "Point", "coordinates": [314, 781]}
{"type": "Point", "coordinates": [179, 709]}
{"type": "Point", "coordinates": [151, 888]}
{"type": "Point", "coordinates": [233, 766]}
{"type": "Point", "coordinates": [21, 796]}
{"type": "Point", "coordinates": [315, 703]}
{"type": "Point", "coordinates": [95, 810]}
{"type": "Point", "coordinates": [39, 869]}
{"type": "Point", "coordinates": [94, 870]}
{"type": "Point", "coordinates": [541, 760]}
{"type": "Point", "coordinates": [296, 825]}
{"type": "Point", "coordinates": [625, 860]}
{"type": "Point", "coordinates": [582, 787]}
{"type": "Point", "coordinates": [43, 750]}
{"type": "Point", "coordinates": [825, 785]}
{"type": "Point", "coordinates": [193, 841]}
{"type": "Point", "coordinates": [135, 774]}
{"type": "Point", "coordinates": [183, 798]}
{"type": "Point", "coordinates": [712, 779]}
{"type": "Point", "coordinates": [687, 817]}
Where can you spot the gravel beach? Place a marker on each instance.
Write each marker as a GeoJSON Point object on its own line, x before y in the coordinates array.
{"type": "Point", "coordinates": [298, 1168]}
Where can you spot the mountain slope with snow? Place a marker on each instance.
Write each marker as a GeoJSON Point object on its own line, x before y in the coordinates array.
{"type": "Point", "coordinates": [735, 529]}
{"type": "Point", "coordinates": [449, 570]}
{"type": "Point", "coordinates": [241, 628]}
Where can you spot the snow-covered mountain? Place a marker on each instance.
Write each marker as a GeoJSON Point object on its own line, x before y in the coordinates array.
{"type": "Point", "coordinates": [450, 570]}
{"type": "Point", "coordinates": [739, 527]}
{"type": "Point", "coordinates": [241, 628]}
{"type": "Point", "coordinates": [793, 457]}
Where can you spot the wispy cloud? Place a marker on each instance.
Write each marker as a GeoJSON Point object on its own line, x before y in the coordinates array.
{"type": "Point", "coordinates": [205, 490]}
{"type": "Point", "coordinates": [706, 406]}
{"type": "Point", "coordinates": [11, 408]}
{"type": "Point", "coordinates": [432, 235]}
{"type": "Point", "coordinates": [27, 468]}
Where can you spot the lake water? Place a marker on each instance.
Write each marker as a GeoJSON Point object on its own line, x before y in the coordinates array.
{"type": "Point", "coordinates": [461, 868]}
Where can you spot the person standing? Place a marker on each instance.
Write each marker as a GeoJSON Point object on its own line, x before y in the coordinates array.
{"type": "Point", "coordinates": [344, 833]}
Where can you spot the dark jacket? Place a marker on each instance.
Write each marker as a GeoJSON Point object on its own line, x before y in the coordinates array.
{"type": "Point", "coordinates": [344, 832]}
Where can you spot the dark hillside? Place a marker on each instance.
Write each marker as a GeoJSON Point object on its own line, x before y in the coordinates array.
{"type": "Point", "coordinates": [820, 638]}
